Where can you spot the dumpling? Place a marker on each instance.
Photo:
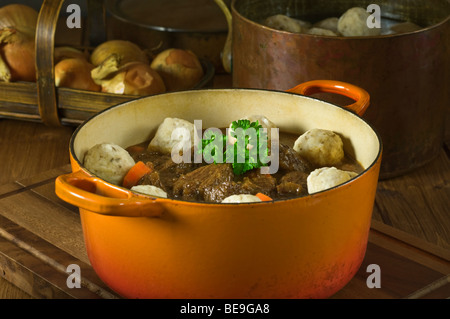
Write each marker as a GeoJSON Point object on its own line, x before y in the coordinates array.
{"type": "Point", "coordinates": [321, 31]}
{"type": "Point", "coordinates": [173, 132]}
{"type": "Point", "coordinates": [353, 23]}
{"type": "Point", "coordinates": [320, 147]}
{"type": "Point", "coordinates": [149, 190]}
{"type": "Point", "coordinates": [285, 23]}
{"type": "Point", "coordinates": [326, 177]}
{"type": "Point", "coordinates": [329, 24]}
{"type": "Point", "coordinates": [109, 162]}
{"type": "Point", "coordinates": [241, 198]}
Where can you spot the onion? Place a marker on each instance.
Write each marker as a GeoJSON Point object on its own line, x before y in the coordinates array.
{"type": "Point", "coordinates": [5, 73]}
{"type": "Point", "coordinates": [18, 53]}
{"type": "Point", "coordinates": [75, 73]}
{"type": "Point", "coordinates": [180, 69]}
{"type": "Point", "coordinates": [67, 52]}
{"type": "Point", "coordinates": [134, 78]}
{"type": "Point", "coordinates": [19, 17]}
{"type": "Point", "coordinates": [17, 47]}
{"type": "Point", "coordinates": [124, 51]}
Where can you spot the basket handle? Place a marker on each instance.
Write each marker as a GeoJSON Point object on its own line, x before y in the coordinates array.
{"type": "Point", "coordinates": [45, 43]}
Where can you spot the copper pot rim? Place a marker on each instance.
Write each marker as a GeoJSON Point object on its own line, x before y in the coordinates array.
{"type": "Point", "coordinates": [337, 38]}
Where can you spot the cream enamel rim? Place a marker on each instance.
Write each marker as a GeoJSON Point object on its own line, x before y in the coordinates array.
{"type": "Point", "coordinates": [112, 108]}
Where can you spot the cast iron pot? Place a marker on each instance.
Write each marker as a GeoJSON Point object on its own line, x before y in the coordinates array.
{"type": "Point", "coordinates": [407, 75]}
{"type": "Point", "coordinates": [145, 247]}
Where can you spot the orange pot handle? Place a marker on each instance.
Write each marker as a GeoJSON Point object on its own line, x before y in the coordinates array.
{"type": "Point", "coordinates": [361, 96]}
{"type": "Point", "coordinates": [93, 194]}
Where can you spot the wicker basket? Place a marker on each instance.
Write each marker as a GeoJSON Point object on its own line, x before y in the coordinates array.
{"type": "Point", "coordinates": [42, 101]}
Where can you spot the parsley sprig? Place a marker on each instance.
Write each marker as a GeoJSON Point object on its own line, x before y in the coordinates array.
{"type": "Point", "coordinates": [244, 156]}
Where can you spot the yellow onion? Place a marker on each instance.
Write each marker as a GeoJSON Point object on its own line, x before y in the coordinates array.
{"type": "Point", "coordinates": [18, 54]}
{"type": "Point", "coordinates": [180, 69]}
{"type": "Point", "coordinates": [19, 17]}
{"type": "Point", "coordinates": [124, 51]}
{"type": "Point", "coordinates": [17, 47]}
{"type": "Point", "coordinates": [67, 52]}
{"type": "Point", "coordinates": [134, 78]}
{"type": "Point", "coordinates": [75, 73]}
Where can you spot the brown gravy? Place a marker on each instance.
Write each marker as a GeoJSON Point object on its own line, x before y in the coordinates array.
{"type": "Point", "coordinates": [204, 182]}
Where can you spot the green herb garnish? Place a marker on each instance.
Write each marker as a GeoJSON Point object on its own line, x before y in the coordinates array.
{"type": "Point", "coordinates": [245, 154]}
{"type": "Point", "coordinates": [213, 147]}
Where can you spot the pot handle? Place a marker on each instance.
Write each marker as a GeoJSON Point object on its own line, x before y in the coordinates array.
{"type": "Point", "coordinates": [93, 194]}
{"type": "Point", "coordinates": [361, 96]}
{"type": "Point", "coordinates": [226, 53]}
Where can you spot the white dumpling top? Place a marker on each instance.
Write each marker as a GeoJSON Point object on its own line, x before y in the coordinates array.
{"type": "Point", "coordinates": [320, 147]}
{"type": "Point", "coordinates": [327, 177]}
{"type": "Point", "coordinates": [109, 162]}
{"type": "Point", "coordinates": [149, 190]}
{"type": "Point", "coordinates": [173, 132]}
{"type": "Point", "coordinates": [241, 198]}
{"type": "Point", "coordinates": [284, 23]}
{"type": "Point", "coordinates": [354, 23]}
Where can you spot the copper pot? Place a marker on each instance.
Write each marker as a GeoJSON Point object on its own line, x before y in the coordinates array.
{"type": "Point", "coordinates": [407, 75]}
{"type": "Point", "coordinates": [308, 247]}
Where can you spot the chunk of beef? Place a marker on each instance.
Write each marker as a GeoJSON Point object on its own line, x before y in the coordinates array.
{"type": "Point", "coordinates": [290, 160]}
{"type": "Point", "coordinates": [156, 158]}
{"type": "Point", "coordinates": [254, 182]}
{"type": "Point", "coordinates": [165, 172]}
{"type": "Point", "coordinates": [171, 172]}
{"type": "Point", "coordinates": [292, 184]}
{"type": "Point", "coordinates": [154, 179]}
{"type": "Point", "coordinates": [210, 183]}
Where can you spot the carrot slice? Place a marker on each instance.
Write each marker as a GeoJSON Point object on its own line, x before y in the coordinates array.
{"type": "Point", "coordinates": [263, 197]}
{"type": "Point", "coordinates": [135, 174]}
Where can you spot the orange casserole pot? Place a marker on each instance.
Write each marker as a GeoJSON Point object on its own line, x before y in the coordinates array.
{"type": "Point", "coordinates": [308, 247]}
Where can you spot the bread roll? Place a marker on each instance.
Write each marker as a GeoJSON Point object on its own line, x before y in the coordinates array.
{"type": "Point", "coordinates": [180, 69]}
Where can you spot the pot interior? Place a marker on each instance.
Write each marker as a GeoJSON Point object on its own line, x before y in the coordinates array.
{"type": "Point", "coordinates": [136, 121]}
{"type": "Point", "coordinates": [421, 12]}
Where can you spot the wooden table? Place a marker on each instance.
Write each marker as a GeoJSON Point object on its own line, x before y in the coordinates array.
{"type": "Point", "coordinates": [409, 239]}
{"type": "Point", "coordinates": [25, 150]}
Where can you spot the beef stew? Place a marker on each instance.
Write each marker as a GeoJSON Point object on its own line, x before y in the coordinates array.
{"type": "Point", "coordinates": [212, 183]}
